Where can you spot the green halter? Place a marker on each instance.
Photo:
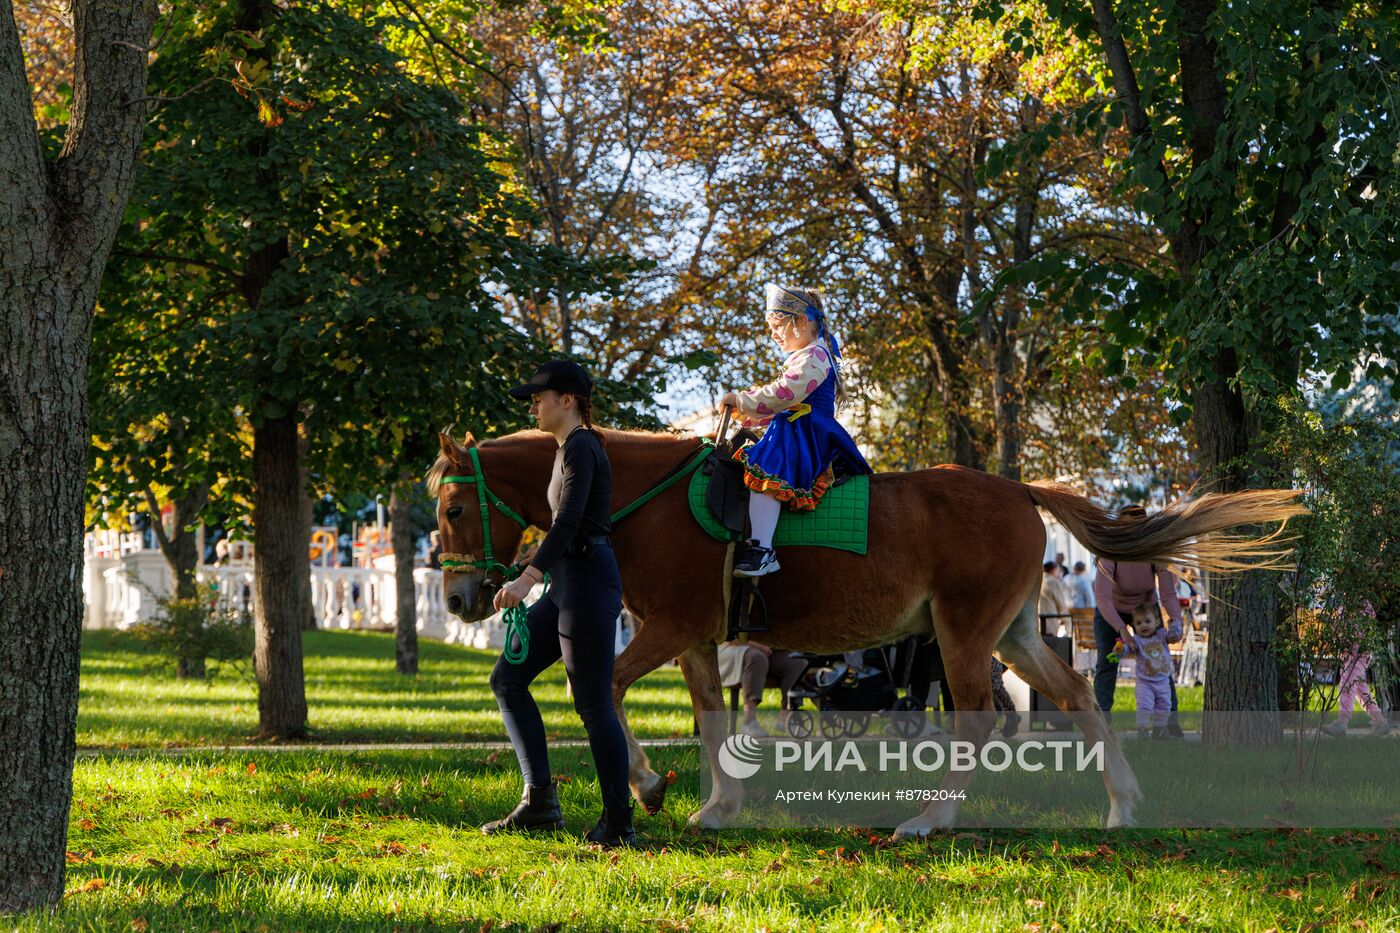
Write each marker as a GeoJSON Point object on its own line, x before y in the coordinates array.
{"type": "Point", "coordinates": [515, 616]}
{"type": "Point", "coordinates": [483, 496]}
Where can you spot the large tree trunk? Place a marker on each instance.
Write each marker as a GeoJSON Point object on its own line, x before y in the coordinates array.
{"type": "Point", "coordinates": [281, 577]}
{"type": "Point", "coordinates": [57, 223]}
{"type": "Point", "coordinates": [406, 614]}
{"type": "Point", "coordinates": [1242, 684]}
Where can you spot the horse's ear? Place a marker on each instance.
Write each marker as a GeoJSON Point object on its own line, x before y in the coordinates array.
{"type": "Point", "coordinates": [448, 445]}
{"type": "Point", "coordinates": [468, 441]}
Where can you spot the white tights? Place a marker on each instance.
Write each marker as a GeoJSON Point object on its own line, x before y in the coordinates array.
{"type": "Point", "coordinates": [763, 517]}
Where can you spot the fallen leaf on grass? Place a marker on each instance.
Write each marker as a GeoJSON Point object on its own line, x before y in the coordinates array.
{"type": "Point", "coordinates": [139, 924]}
{"type": "Point", "coordinates": [252, 768]}
{"type": "Point", "coordinates": [92, 884]}
{"type": "Point", "coordinates": [86, 826]}
{"type": "Point", "coordinates": [1034, 903]}
{"type": "Point", "coordinates": [74, 859]}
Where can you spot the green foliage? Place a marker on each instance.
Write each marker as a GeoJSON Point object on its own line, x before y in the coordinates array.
{"type": "Point", "coordinates": [1345, 594]}
{"type": "Point", "coordinates": [331, 237]}
{"type": "Point", "coordinates": [190, 632]}
{"type": "Point", "coordinates": [1284, 224]}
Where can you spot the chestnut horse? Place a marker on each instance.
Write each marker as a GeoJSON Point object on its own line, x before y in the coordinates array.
{"type": "Point", "coordinates": [953, 553]}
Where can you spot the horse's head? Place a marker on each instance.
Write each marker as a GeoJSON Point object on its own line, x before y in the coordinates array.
{"type": "Point", "coordinates": [478, 531]}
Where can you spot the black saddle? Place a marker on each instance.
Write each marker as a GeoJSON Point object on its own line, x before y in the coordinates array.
{"type": "Point", "coordinates": [727, 496]}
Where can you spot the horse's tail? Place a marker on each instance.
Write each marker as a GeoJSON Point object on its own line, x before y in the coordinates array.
{"type": "Point", "coordinates": [1186, 532]}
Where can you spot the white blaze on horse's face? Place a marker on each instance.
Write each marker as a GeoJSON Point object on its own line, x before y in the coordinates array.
{"type": "Point", "coordinates": [459, 522]}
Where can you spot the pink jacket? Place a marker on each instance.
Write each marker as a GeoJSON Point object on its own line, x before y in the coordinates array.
{"type": "Point", "coordinates": [1120, 588]}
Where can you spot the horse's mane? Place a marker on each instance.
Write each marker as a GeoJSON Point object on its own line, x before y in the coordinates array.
{"type": "Point", "coordinates": [630, 439]}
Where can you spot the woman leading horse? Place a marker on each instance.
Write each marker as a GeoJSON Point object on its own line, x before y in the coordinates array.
{"type": "Point", "coordinates": [952, 552]}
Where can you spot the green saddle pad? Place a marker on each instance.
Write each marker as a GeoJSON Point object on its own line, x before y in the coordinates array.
{"type": "Point", "coordinates": [840, 521]}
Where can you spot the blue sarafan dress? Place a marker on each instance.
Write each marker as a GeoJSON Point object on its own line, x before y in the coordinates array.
{"type": "Point", "coordinates": [797, 459]}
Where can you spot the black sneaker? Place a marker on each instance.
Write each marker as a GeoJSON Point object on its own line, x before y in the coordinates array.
{"type": "Point", "coordinates": [613, 829]}
{"type": "Point", "coordinates": [538, 810]}
{"type": "Point", "coordinates": [756, 561]}
{"type": "Point", "coordinates": [1159, 733]}
{"type": "Point", "coordinates": [1174, 731]}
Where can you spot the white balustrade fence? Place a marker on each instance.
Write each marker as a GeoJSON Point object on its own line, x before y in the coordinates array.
{"type": "Point", "coordinates": [123, 588]}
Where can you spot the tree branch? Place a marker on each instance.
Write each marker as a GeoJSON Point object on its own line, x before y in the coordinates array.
{"type": "Point", "coordinates": [153, 508]}
{"type": "Point", "coordinates": [96, 169]}
{"type": "Point", "coordinates": [23, 196]}
{"type": "Point", "coordinates": [183, 260]}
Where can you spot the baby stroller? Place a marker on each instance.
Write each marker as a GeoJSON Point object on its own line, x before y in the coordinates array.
{"type": "Point", "coordinates": [848, 688]}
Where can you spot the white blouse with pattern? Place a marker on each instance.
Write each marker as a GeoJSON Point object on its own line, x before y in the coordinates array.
{"type": "Point", "coordinates": [803, 371]}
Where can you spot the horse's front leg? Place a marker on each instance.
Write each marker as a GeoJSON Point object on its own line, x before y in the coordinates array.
{"type": "Point", "coordinates": [700, 664]}
{"type": "Point", "coordinates": [654, 644]}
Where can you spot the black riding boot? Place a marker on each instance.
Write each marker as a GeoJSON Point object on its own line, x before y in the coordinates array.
{"type": "Point", "coordinates": [614, 828]}
{"type": "Point", "coordinates": [538, 810]}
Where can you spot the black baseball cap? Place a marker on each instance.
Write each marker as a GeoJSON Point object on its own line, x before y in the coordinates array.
{"type": "Point", "coordinates": [559, 375]}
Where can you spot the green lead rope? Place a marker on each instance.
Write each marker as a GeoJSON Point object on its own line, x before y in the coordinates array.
{"type": "Point", "coordinates": [517, 620]}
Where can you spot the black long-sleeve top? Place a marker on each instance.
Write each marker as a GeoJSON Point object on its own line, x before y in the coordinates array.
{"type": "Point", "coordinates": [580, 492]}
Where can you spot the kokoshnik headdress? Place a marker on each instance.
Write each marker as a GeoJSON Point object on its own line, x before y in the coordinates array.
{"type": "Point", "coordinates": [783, 299]}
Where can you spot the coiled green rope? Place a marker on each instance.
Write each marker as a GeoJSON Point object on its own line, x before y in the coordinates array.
{"type": "Point", "coordinates": [517, 620]}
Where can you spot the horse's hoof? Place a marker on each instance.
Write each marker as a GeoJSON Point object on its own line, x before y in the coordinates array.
{"type": "Point", "coordinates": [910, 830]}
{"type": "Point", "coordinates": [654, 797]}
{"type": "Point", "coordinates": [708, 818]}
{"type": "Point", "coordinates": [1119, 820]}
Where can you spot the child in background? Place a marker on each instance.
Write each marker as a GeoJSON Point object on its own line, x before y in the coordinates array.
{"type": "Point", "coordinates": [1352, 687]}
{"type": "Point", "coordinates": [1154, 670]}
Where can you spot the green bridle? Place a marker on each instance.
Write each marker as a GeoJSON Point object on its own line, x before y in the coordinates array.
{"type": "Point", "coordinates": [516, 619]}
{"type": "Point", "coordinates": [485, 498]}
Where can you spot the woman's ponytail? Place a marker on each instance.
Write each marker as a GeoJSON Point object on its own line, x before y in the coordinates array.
{"type": "Point", "coordinates": [585, 407]}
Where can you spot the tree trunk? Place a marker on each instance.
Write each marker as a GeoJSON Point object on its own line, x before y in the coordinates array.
{"type": "Point", "coordinates": [1006, 393]}
{"type": "Point", "coordinates": [183, 555]}
{"type": "Point", "coordinates": [406, 614]}
{"type": "Point", "coordinates": [57, 223]}
{"type": "Point", "coordinates": [181, 549]}
{"type": "Point", "coordinates": [1241, 694]}
{"type": "Point", "coordinates": [281, 577]}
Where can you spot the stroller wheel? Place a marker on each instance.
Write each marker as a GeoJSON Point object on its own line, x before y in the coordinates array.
{"type": "Point", "coordinates": [856, 724]}
{"type": "Point", "coordinates": [799, 724]}
{"type": "Point", "coordinates": [833, 724]}
{"type": "Point", "coordinates": [907, 717]}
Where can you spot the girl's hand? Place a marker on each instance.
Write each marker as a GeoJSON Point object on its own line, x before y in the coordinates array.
{"type": "Point", "coordinates": [513, 593]}
{"type": "Point", "coordinates": [731, 399]}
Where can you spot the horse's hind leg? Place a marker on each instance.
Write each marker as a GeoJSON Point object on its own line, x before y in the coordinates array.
{"type": "Point", "coordinates": [968, 667]}
{"type": "Point", "coordinates": [653, 645]}
{"type": "Point", "coordinates": [700, 664]}
{"type": "Point", "coordinates": [1023, 650]}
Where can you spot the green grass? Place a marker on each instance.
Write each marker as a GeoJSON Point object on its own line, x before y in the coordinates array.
{"type": "Point", "coordinates": [128, 700]}
{"type": "Point", "coordinates": [387, 840]}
